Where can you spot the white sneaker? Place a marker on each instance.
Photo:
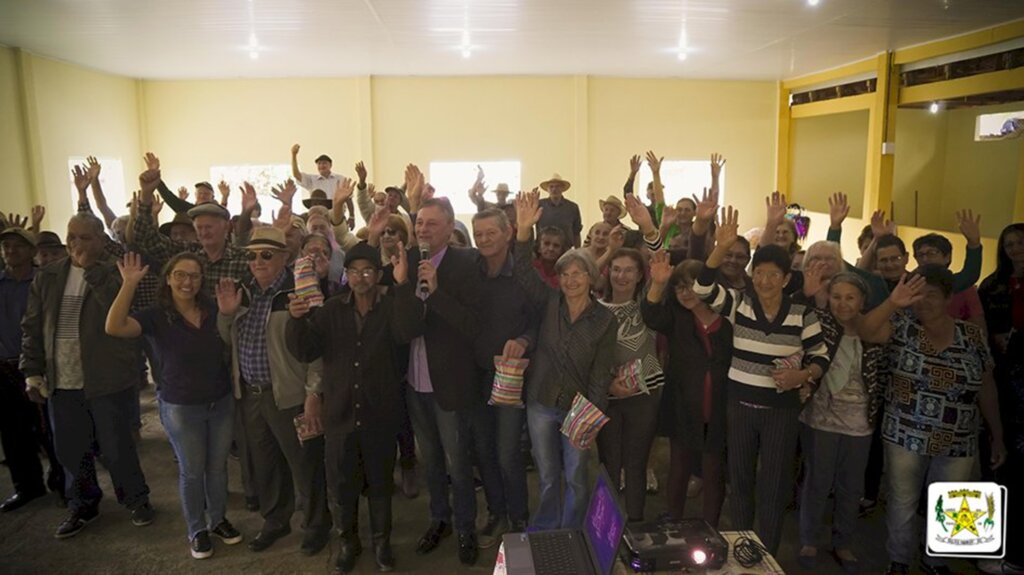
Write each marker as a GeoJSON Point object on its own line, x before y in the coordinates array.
{"type": "Point", "coordinates": [693, 488]}
{"type": "Point", "coordinates": [999, 567]}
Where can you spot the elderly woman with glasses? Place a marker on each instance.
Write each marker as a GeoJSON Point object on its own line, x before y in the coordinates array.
{"type": "Point", "coordinates": [575, 356]}
{"type": "Point", "coordinates": [196, 404]}
{"type": "Point", "coordinates": [778, 348]}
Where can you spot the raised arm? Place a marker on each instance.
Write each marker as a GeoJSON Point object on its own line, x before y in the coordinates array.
{"type": "Point", "coordinates": [970, 227]}
{"type": "Point", "coordinates": [838, 210]}
{"type": "Point", "coordinates": [717, 163]}
{"type": "Point", "coordinates": [93, 172]}
{"type": "Point", "coordinates": [296, 173]}
{"type": "Point", "coordinates": [528, 213]}
{"type": "Point", "coordinates": [119, 323]}
{"type": "Point", "coordinates": [706, 287]}
{"type": "Point", "coordinates": [655, 163]}
{"type": "Point", "coordinates": [634, 168]}
{"type": "Point", "coordinates": [148, 239]}
{"type": "Point", "coordinates": [875, 326]}
{"type": "Point", "coordinates": [775, 214]}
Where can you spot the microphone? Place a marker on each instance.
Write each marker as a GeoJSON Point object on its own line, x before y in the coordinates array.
{"type": "Point", "coordinates": [424, 289]}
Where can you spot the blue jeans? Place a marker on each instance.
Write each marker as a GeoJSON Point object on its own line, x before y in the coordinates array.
{"type": "Point", "coordinates": [496, 434]}
{"type": "Point", "coordinates": [832, 461]}
{"type": "Point", "coordinates": [556, 457]}
{"type": "Point", "coordinates": [201, 437]}
{"type": "Point", "coordinates": [908, 472]}
{"type": "Point", "coordinates": [444, 437]}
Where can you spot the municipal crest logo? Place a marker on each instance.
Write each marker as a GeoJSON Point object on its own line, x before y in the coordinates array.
{"type": "Point", "coordinates": [968, 519]}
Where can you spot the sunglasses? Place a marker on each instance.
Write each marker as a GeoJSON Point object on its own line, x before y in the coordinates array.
{"type": "Point", "coordinates": [390, 232]}
{"type": "Point", "coordinates": [264, 255]}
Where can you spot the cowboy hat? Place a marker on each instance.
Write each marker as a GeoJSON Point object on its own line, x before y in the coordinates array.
{"type": "Point", "coordinates": [318, 198]}
{"type": "Point", "coordinates": [615, 201]}
{"type": "Point", "coordinates": [555, 178]}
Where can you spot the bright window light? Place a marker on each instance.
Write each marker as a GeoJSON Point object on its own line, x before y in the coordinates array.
{"type": "Point", "coordinates": [453, 180]}
{"type": "Point", "coordinates": [263, 178]}
{"type": "Point", "coordinates": [111, 179]}
{"type": "Point", "coordinates": [998, 126]}
{"type": "Point", "coordinates": [682, 179]}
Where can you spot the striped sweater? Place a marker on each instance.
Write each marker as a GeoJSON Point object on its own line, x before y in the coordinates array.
{"type": "Point", "coordinates": [758, 341]}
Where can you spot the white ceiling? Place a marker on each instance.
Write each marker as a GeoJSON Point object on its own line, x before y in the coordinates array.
{"type": "Point", "coordinates": [736, 39]}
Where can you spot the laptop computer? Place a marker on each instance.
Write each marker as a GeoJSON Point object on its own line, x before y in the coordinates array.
{"type": "Point", "coordinates": [588, 551]}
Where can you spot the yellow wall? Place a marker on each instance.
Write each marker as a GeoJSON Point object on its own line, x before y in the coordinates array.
{"type": "Point", "coordinates": [17, 195]}
{"type": "Point", "coordinates": [195, 124]}
{"type": "Point", "coordinates": [78, 112]}
{"type": "Point", "coordinates": [936, 155]}
{"type": "Point", "coordinates": [828, 156]}
{"type": "Point", "coordinates": [684, 120]}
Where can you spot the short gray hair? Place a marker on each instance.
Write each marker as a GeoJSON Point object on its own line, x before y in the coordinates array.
{"type": "Point", "coordinates": [583, 259]}
{"type": "Point", "coordinates": [824, 245]}
{"type": "Point", "coordinates": [95, 223]}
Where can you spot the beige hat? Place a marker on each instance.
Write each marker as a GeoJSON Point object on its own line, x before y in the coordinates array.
{"type": "Point", "coordinates": [555, 178]}
{"type": "Point", "coordinates": [19, 232]}
{"type": "Point", "coordinates": [267, 238]}
{"type": "Point", "coordinates": [502, 187]}
{"type": "Point", "coordinates": [615, 201]}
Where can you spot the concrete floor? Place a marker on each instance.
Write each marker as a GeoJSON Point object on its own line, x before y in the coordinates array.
{"type": "Point", "coordinates": [112, 545]}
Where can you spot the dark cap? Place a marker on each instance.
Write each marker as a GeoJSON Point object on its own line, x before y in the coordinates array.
{"type": "Point", "coordinates": [19, 232]}
{"type": "Point", "coordinates": [209, 209]}
{"type": "Point", "coordinates": [323, 158]}
{"type": "Point", "coordinates": [363, 251]}
{"type": "Point", "coordinates": [179, 219]}
{"type": "Point", "coordinates": [204, 185]}
{"type": "Point", "coordinates": [49, 240]}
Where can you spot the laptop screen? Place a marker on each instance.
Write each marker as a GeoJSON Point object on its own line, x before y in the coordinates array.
{"type": "Point", "coordinates": [604, 524]}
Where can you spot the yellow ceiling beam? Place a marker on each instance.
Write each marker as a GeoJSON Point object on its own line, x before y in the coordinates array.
{"type": "Point", "coordinates": [856, 68]}
{"type": "Point", "coordinates": [960, 87]}
{"type": "Point", "coordinates": [836, 106]}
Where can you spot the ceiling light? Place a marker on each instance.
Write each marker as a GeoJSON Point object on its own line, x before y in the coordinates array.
{"type": "Point", "coordinates": [466, 53]}
{"type": "Point", "coordinates": [813, 2]}
{"type": "Point", "coordinates": [254, 54]}
{"type": "Point", "coordinates": [682, 56]}
{"type": "Point", "coordinates": [934, 108]}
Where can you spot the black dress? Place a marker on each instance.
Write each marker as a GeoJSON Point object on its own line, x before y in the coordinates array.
{"type": "Point", "coordinates": [681, 415]}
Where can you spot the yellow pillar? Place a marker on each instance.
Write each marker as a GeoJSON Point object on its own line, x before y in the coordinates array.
{"type": "Point", "coordinates": [782, 150]}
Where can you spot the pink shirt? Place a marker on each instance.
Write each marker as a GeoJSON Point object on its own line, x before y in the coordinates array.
{"type": "Point", "coordinates": [965, 305]}
{"type": "Point", "coordinates": [419, 370]}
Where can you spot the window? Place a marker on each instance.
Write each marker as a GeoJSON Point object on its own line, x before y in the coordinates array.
{"type": "Point", "coordinates": [999, 126]}
{"type": "Point", "coordinates": [682, 179]}
{"type": "Point", "coordinates": [453, 180]}
{"type": "Point", "coordinates": [111, 180]}
{"type": "Point", "coordinates": [263, 178]}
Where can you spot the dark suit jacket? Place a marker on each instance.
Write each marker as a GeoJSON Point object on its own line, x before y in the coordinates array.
{"type": "Point", "coordinates": [109, 364]}
{"type": "Point", "coordinates": [452, 325]}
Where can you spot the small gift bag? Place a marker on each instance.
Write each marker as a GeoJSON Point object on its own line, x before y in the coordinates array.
{"type": "Point", "coordinates": [508, 382]}
{"type": "Point", "coordinates": [303, 429]}
{"type": "Point", "coordinates": [794, 361]}
{"type": "Point", "coordinates": [583, 422]}
{"type": "Point", "coordinates": [307, 283]}
{"type": "Point", "coordinates": [632, 376]}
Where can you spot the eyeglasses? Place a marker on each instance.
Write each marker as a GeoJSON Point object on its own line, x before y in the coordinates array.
{"type": "Point", "coordinates": [573, 275]}
{"type": "Point", "coordinates": [363, 273]}
{"type": "Point", "coordinates": [390, 232]}
{"type": "Point", "coordinates": [768, 275]}
{"type": "Point", "coordinates": [180, 275]}
{"type": "Point", "coordinates": [264, 255]}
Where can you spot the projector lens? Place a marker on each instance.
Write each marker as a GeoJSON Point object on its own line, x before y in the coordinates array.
{"type": "Point", "coordinates": [699, 556]}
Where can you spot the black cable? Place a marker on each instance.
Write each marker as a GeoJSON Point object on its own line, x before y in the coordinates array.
{"type": "Point", "coordinates": [748, 552]}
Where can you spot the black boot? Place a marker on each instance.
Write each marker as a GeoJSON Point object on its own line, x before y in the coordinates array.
{"type": "Point", "coordinates": [380, 525]}
{"type": "Point", "coordinates": [349, 550]}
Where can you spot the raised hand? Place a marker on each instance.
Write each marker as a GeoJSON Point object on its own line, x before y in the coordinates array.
{"type": "Point", "coordinates": [728, 230]}
{"type": "Point", "coordinates": [283, 218]}
{"type": "Point", "coordinates": [16, 220]}
{"type": "Point", "coordinates": [528, 209]}
{"type": "Point", "coordinates": [616, 238]}
{"type": "Point", "coordinates": [297, 306]}
{"type": "Point", "coordinates": [400, 265]}
{"type": "Point", "coordinates": [479, 177]}
{"type": "Point", "coordinates": [283, 193]}
{"type": "Point", "coordinates": [661, 268]}
{"type": "Point", "coordinates": [152, 162]}
{"type": "Point", "coordinates": [639, 214]}
{"type": "Point", "coordinates": [225, 192]}
{"type": "Point", "coordinates": [908, 290]}
{"type": "Point", "coordinates": [838, 209]}
{"type": "Point", "coordinates": [707, 205]}
{"type": "Point", "coordinates": [158, 205]}
{"type": "Point", "coordinates": [131, 268]}
{"type": "Point", "coordinates": [295, 150]}
{"type": "Point", "coordinates": [881, 226]}
{"type": "Point", "coordinates": [361, 173]}
{"type": "Point", "coordinates": [775, 209]}
{"type": "Point", "coordinates": [717, 162]}
{"type": "Point", "coordinates": [229, 296]}
{"type": "Point", "coordinates": [150, 179]}
{"type": "Point", "coordinates": [970, 227]}
{"type": "Point", "coordinates": [634, 166]}
{"type": "Point", "coordinates": [94, 167]}
{"type": "Point", "coordinates": [654, 162]}
{"type": "Point", "coordinates": [249, 200]}
{"type": "Point", "coordinates": [669, 216]}
{"type": "Point", "coordinates": [414, 185]}
{"type": "Point", "coordinates": [38, 213]}
{"type": "Point", "coordinates": [81, 178]}
{"type": "Point", "coordinates": [343, 191]}
{"type": "Point", "coordinates": [183, 193]}
{"type": "Point", "coordinates": [814, 281]}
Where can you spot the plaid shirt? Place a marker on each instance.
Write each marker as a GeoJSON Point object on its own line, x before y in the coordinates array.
{"type": "Point", "coordinates": [253, 360]}
{"type": "Point", "coordinates": [159, 248]}
{"type": "Point", "coordinates": [145, 293]}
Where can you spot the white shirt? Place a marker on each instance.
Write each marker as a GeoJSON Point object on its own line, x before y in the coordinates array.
{"type": "Point", "coordinates": [317, 182]}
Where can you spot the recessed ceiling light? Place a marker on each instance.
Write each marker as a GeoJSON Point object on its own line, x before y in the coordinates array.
{"type": "Point", "coordinates": [682, 56]}
{"type": "Point", "coordinates": [466, 53]}
{"type": "Point", "coordinates": [254, 55]}
{"type": "Point", "coordinates": [934, 108]}
{"type": "Point", "coordinates": [813, 2]}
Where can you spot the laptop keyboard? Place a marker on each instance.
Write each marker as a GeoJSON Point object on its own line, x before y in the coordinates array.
{"type": "Point", "coordinates": [554, 553]}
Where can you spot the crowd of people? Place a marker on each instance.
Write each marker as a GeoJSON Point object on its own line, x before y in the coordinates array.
{"type": "Point", "coordinates": [322, 354]}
